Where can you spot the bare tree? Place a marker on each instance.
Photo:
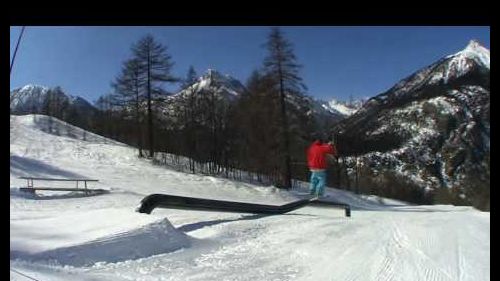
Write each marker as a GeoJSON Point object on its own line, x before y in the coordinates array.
{"type": "Point", "coordinates": [189, 116]}
{"type": "Point", "coordinates": [155, 65]}
{"type": "Point", "coordinates": [281, 65]}
{"type": "Point", "coordinates": [128, 94]}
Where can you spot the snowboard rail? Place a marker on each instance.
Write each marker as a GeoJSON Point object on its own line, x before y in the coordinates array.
{"type": "Point", "coordinates": [152, 201]}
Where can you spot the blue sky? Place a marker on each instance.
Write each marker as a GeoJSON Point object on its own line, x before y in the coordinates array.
{"type": "Point", "coordinates": [337, 61]}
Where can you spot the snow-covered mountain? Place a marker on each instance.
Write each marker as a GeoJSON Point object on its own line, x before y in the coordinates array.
{"type": "Point", "coordinates": [33, 98]}
{"type": "Point", "coordinates": [341, 107]}
{"type": "Point", "coordinates": [472, 63]}
{"type": "Point", "coordinates": [225, 89]}
{"type": "Point", "coordinates": [28, 98]}
{"type": "Point", "coordinates": [432, 127]}
{"type": "Point", "coordinates": [212, 87]}
{"type": "Point", "coordinates": [214, 82]}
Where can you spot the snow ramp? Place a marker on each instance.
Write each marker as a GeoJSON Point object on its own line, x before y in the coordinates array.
{"type": "Point", "coordinates": [101, 236]}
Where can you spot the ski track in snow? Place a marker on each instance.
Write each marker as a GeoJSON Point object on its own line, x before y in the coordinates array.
{"type": "Point", "coordinates": [68, 237]}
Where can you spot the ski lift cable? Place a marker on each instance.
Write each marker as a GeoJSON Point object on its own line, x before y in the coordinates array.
{"type": "Point", "coordinates": [22, 274]}
{"type": "Point", "coordinates": [17, 46]}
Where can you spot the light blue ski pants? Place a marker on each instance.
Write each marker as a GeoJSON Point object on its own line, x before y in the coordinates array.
{"type": "Point", "coordinates": [318, 182]}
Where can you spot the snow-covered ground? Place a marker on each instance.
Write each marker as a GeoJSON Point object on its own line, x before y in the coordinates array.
{"type": "Point", "coordinates": [65, 236]}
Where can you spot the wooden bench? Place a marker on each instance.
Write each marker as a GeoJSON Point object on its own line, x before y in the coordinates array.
{"type": "Point", "coordinates": [31, 188]}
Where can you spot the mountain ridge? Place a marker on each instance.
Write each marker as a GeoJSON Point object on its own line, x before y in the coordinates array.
{"type": "Point", "coordinates": [431, 127]}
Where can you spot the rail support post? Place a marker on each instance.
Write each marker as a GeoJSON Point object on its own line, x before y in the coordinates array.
{"type": "Point", "coordinates": [347, 211]}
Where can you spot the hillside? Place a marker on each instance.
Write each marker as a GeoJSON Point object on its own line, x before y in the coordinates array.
{"type": "Point", "coordinates": [65, 236]}
{"type": "Point", "coordinates": [432, 128]}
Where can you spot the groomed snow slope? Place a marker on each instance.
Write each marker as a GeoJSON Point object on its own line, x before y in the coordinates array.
{"type": "Point", "coordinates": [65, 236]}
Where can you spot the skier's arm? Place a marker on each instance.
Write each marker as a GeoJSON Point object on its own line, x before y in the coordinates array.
{"type": "Point", "coordinates": [330, 149]}
{"type": "Point", "coordinates": [331, 152]}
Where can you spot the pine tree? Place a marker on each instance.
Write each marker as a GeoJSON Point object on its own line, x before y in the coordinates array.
{"type": "Point", "coordinates": [155, 64]}
{"type": "Point", "coordinates": [281, 66]}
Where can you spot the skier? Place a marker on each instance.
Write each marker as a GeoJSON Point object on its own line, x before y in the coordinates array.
{"type": "Point", "coordinates": [317, 162]}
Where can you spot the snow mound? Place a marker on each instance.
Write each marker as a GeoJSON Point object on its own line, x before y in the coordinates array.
{"type": "Point", "coordinates": [122, 235]}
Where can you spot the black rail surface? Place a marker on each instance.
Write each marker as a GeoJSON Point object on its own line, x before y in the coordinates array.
{"type": "Point", "coordinates": [324, 203]}
{"type": "Point", "coordinates": [150, 202]}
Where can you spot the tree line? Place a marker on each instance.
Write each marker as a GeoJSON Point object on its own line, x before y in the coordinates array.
{"type": "Point", "coordinates": [259, 132]}
{"type": "Point", "coordinates": [264, 133]}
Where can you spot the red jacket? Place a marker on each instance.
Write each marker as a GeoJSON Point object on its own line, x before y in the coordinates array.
{"type": "Point", "coordinates": [316, 155]}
